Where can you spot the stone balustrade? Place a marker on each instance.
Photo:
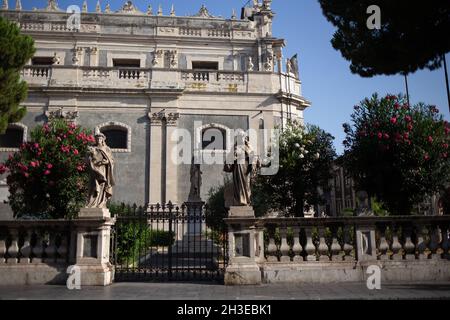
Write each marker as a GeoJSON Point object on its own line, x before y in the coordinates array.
{"type": "Point", "coordinates": [413, 248]}
{"type": "Point", "coordinates": [34, 242]}
{"type": "Point", "coordinates": [40, 251]}
{"type": "Point", "coordinates": [61, 26]}
{"type": "Point", "coordinates": [143, 78]}
{"type": "Point", "coordinates": [335, 239]}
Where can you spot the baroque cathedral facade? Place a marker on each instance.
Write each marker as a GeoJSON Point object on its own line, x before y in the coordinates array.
{"type": "Point", "coordinates": [139, 76]}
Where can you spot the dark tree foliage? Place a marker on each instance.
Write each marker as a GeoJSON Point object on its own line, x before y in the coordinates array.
{"type": "Point", "coordinates": [15, 50]}
{"type": "Point", "coordinates": [413, 35]}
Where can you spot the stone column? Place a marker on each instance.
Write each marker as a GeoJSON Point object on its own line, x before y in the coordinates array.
{"type": "Point", "coordinates": [163, 173]}
{"type": "Point", "coordinates": [171, 167]}
{"type": "Point", "coordinates": [155, 181]}
{"type": "Point", "coordinates": [92, 234]}
{"type": "Point", "coordinates": [244, 247]}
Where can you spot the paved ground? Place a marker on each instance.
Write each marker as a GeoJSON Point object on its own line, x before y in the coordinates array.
{"type": "Point", "coordinates": [192, 291]}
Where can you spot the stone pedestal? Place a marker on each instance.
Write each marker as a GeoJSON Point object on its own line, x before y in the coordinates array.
{"type": "Point", "coordinates": [94, 213]}
{"type": "Point", "coordinates": [243, 248]}
{"type": "Point", "coordinates": [365, 243]}
{"type": "Point", "coordinates": [93, 232]}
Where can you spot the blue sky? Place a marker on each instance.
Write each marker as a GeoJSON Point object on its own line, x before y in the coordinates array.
{"type": "Point", "coordinates": [327, 80]}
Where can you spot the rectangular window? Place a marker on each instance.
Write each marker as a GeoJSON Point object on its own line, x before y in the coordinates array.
{"type": "Point", "coordinates": [127, 63]}
{"type": "Point", "coordinates": [42, 61]}
{"type": "Point", "coordinates": [205, 65]}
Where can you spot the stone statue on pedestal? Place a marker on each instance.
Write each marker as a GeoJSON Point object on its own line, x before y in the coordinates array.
{"type": "Point", "coordinates": [101, 165]}
{"type": "Point", "coordinates": [196, 182]}
{"type": "Point", "coordinates": [242, 169]}
{"type": "Point", "coordinates": [362, 204]}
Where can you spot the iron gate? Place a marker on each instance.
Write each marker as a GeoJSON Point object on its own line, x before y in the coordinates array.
{"type": "Point", "coordinates": [165, 242]}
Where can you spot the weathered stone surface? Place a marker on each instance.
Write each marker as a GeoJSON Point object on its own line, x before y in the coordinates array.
{"type": "Point", "coordinates": [94, 213]}
{"type": "Point", "coordinates": [241, 212]}
{"type": "Point", "coordinates": [242, 274]}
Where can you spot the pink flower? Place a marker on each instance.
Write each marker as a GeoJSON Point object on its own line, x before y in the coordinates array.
{"type": "Point", "coordinates": [410, 127]}
{"type": "Point", "coordinates": [72, 126]}
{"type": "Point", "coordinates": [394, 120]}
{"type": "Point", "coordinates": [80, 168]}
{"type": "Point", "coordinates": [406, 135]}
{"type": "Point", "coordinates": [445, 145]}
{"type": "Point", "coordinates": [36, 145]}
{"type": "Point", "coordinates": [408, 118]}
{"type": "Point", "coordinates": [396, 106]}
{"type": "Point", "coordinates": [3, 168]}
{"type": "Point", "coordinates": [49, 166]}
{"type": "Point", "coordinates": [426, 157]}
{"type": "Point", "coordinates": [386, 136]}
{"type": "Point", "coordinates": [444, 155]}
{"type": "Point", "coordinates": [75, 152]}
{"type": "Point", "coordinates": [430, 139]}
{"type": "Point", "coordinates": [26, 174]}
{"type": "Point", "coordinates": [380, 135]}
{"type": "Point", "coordinates": [447, 130]}
{"type": "Point", "coordinates": [33, 164]}
{"type": "Point", "coordinates": [47, 172]}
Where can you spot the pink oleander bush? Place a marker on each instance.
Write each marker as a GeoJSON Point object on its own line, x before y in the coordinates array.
{"type": "Point", "coordinates": [397, 152]}
{"type": "Point", "coordinates": [47, 177]}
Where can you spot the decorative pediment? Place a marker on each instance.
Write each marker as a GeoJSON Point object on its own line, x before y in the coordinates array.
{"type": "Point", "coordinates": [129, 8]}
{"type": "Point", "coordinates": [60, 113]}
{"type": "Point", "coordinates": [52, 5]}
{"type": "Point", "coordinates": [204, 13]}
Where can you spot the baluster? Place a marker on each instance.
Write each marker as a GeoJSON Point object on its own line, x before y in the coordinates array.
{"type": "Point", "coordinates": [348, 245]}
{"type": "Point", "coordinates": [396, 245]}
{"type": "Point", "coordinates": [38, 248]}
{"type": "Point", "coordinates": [25, 251]}
{"type": "Point", "coordinates": [310, 248]}
{"type": "Point", "coordinates": [323, 248]}
{"type": "Point", "coordinates": [2, 250]}
{"type": "Point", "coordinates": [272, 247]}
{"type": "Point", "coordinates": [297, 247]}
{"type": "Point", "coordinates": [434, 233]}
{"type": "Point", "coordinates": [335, 247]}
{"type": "Point", "coordinates": [384, 245]}
{"type": "Point", "coordinates": [13, 249]}
{"type": "Point", "coordinates": [62, 248]}
{"type": "Point", "coordinates": [421, 244]}
{"type": "Point", "coordinates": [445, 240]}
{"type": "Point", "coordinates": [50, 250]}
{"type": "Point", "coordinates": [408, 246]}
{"type": "Point", "coordinates": [284, 248]}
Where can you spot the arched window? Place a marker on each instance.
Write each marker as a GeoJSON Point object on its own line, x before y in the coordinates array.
{"type": "Point", "coordinates": [214, 137]}
{"type": "Point", "coordinates": [15, 135]}
{"type": "Point", "coordinates": [118, 136]}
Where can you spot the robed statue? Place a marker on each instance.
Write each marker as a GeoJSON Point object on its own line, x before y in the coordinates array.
{"type": "Point", "coordinates": [242, 169]}
{"type": "Point", "coordinates": [196, 181]}
{"type": "Point", "coordinates": [101, 166]}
